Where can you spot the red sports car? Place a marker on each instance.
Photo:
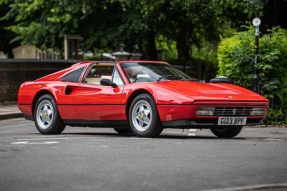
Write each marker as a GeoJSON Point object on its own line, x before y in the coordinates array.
{"type": "Point", "coordinates": [140, 97]}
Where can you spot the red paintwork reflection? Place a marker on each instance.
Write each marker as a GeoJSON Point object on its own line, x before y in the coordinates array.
{"type": "Point", "coordinates": [99, 112]}
{"type": "Point", "coordinates": [96, 94]}
{"type": "Point", "coordinates": [25, 109]}
{"type": "Point", "coordinates": [68, 112]}
{"type": "Point", "coordinates": [174, 112]}
{"type": "Point", "coordinates": [96, 102]}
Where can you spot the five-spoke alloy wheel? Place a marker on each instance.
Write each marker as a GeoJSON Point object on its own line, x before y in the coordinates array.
{"type": "Point", "coordinates": [144, 118]}
{"type": "Point", "coordinates": [46, 116]}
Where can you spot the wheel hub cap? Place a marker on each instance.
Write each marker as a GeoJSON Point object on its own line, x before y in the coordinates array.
{"type": "Point", "coordinates": [142, 115]}
{"type": "Point", "coordinates": [45, 114]}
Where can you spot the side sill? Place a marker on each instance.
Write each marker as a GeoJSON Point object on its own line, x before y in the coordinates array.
{"type": "Point", "coordinates": [94, 123]}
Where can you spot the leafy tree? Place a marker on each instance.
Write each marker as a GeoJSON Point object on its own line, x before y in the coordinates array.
{"type": "Point", "coordinates": [36, 22]}
{"type": "Point", "coordinates": [6, 35]}
{"type": "Point", "coordinates": [102, 23]}
{"type": "Point", "coordinates": [274, 14]}
{"type": "Point", "coordinates": [190, 22]}
{"type": "Point", "coordinates": [195, 22]}
{"type": "Point", "coordinates": [107, 23]}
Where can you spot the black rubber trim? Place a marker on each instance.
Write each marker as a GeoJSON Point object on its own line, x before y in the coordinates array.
{"type": "Point", "coordinates": [221, 80]}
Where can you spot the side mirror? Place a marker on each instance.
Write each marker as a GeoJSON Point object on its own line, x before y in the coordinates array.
{"type": "Point", "coordinates": [107, 82]}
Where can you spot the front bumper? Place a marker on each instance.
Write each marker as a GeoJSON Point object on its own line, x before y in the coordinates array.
{"type": "Point", "coordinates": [204, 124]}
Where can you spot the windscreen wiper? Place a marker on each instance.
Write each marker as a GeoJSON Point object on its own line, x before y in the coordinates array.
{"type": "Point", "coordinates": [192, 80]}
{"type": "Point", "coordinates": [169, 77]}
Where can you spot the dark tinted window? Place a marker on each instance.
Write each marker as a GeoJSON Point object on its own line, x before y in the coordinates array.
{"type": "Point", "coordinates": [73, 76]}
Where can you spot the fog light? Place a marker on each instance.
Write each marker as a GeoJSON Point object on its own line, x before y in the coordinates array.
{"type": "Point", "coordinates": [205, 110]}
{"type": "Point", "coordinates": [258, 111]}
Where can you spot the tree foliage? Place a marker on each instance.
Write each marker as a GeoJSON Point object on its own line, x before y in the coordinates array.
{"type": "Point", "coordinates": [104, 24]}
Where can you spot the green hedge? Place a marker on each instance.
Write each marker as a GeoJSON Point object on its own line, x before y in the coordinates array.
{"type": "Point", "coordinates": [236, 61]}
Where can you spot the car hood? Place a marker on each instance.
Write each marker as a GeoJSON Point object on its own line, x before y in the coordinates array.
{"type": "Point", "coordinates": [210, 91]}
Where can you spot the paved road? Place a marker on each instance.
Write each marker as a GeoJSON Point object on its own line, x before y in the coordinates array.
{"type": "Point", "coordinates": [100, 159]}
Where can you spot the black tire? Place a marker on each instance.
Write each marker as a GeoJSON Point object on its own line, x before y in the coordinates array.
{"type": "Point", "coordinates": [46, 116]}
{"type": "Point", "coordinates": [228, 132]}
{"type": "Point", "coordinates": [123, 131]}
{"type": "Point", "coordinates": [144, 118]}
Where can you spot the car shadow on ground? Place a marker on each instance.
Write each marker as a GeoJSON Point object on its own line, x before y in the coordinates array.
{"type": "Point", "coordinates": [132, 136]}
{"type": "Point", "coordinates": [164, 136]}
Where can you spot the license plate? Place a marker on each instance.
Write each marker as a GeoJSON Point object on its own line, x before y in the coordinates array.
{"type": "Point", "coordinates": [231, 121]}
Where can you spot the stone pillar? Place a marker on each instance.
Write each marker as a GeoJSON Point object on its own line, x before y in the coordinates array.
{"type": "Point", "coordinates": [49, 53]}
{"type": "Point", "coordinates": [25, 51]}
{"type": "Point", "coordinates": [3, 55]}
{"type": "Point", "coordinates": [135, 56]}
{"type": "Point", "coordinates": [121, 55]}
{"type": "Point", "coordinates": [72, 46]}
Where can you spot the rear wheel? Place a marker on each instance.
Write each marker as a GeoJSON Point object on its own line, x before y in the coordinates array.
{"type": "Point", "coordinates": [144, 118]}
{"type": "Point", "coordinates": [223, 132]}
{"type": "Point", "coordinates": [46, 116]}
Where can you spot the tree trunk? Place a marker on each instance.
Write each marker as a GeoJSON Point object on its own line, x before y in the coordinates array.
{"type": "Point", "coordinates": [151, 47]}
{"type": "Point", "coordinates": [183, 46]}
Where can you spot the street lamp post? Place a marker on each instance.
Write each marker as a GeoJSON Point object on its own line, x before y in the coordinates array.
{"type": "Point", "coordinates": [255, 80]}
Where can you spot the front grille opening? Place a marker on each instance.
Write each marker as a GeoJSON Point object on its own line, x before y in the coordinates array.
{"type": "Point", "coordinates": [232, 111]}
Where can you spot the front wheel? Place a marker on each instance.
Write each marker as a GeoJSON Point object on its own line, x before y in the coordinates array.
{"type": "Point", "coordinates": [144, 118]}
{"type": "Point", "coordinates": [223, 132]}
{"type": "Point", "coordinates": [46, 116]}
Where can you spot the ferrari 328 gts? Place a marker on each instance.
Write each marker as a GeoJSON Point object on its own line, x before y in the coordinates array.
{"type": "Point", "coordinates": [139, 97]}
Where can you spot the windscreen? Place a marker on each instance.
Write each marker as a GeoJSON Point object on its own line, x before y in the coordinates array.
{"type": "Point", "coordinates": [152, 72]}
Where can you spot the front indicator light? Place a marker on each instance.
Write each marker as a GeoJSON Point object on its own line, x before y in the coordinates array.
{"type": "Point", "coordinates": [258, 111]}
{"type": "Point", "coordinates": [205, 110]}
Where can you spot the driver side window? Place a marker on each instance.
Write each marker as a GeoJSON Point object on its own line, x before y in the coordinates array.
{"type": "Point", "coordinates": [97, 72]}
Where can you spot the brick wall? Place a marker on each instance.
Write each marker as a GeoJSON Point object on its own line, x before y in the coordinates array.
{"type": "Point", "coordinates": [13, 72]}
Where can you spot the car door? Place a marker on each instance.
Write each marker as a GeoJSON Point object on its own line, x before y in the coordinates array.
{"type": "Point", "coordinates": [97, 102]}
{"type": "Point", "coordinates": [65, 92]}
